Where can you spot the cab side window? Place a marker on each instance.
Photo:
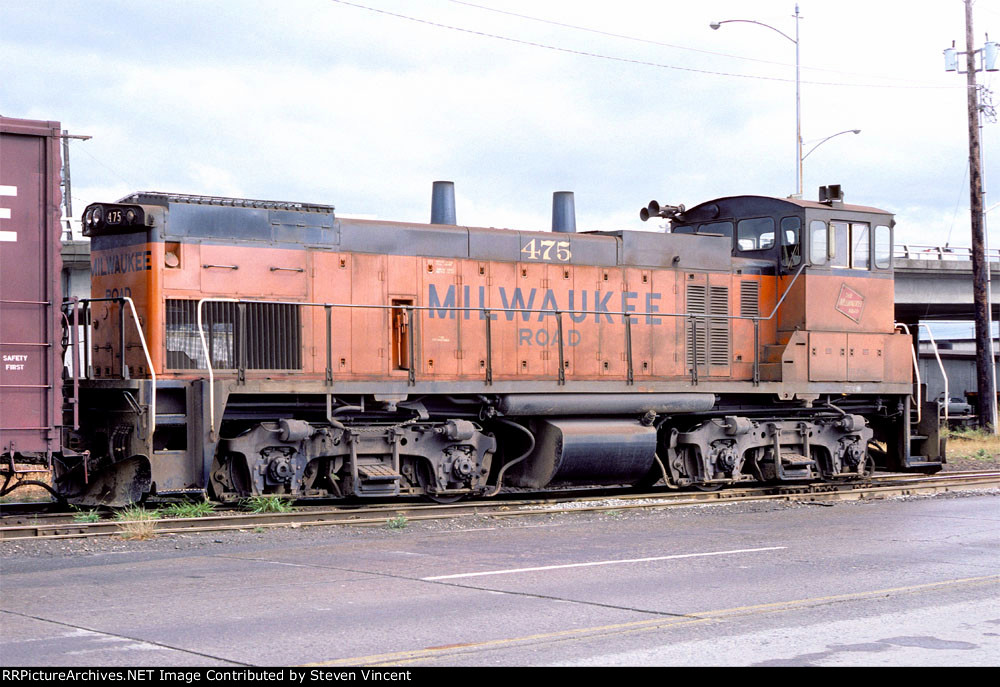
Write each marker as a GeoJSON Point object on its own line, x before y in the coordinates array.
{"type": "Point", "coordinates": [721, 228]}
{"type": "Point", "coordinates": [791, 244]}
{"type": "Point", "coordinates": [755, 234]}
{"type": "Point", "coordinates": [850, 245]}
{"type": "Point", "coordinates": [860, 246]}
{"type": "Point", "coordinates": [883, 247]}
{"type": "Point", "coordinates": [840, 244]}
{"type": "Point", "coordinates": [818, 242]}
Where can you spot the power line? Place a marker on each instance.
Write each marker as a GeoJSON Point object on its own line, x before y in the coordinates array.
{"type": "Point", "coordinates": [113, 171]}
{"type": "Point", "coordinates": [668, 45]}
{"type": "Point", "coordinates": [612, 58]}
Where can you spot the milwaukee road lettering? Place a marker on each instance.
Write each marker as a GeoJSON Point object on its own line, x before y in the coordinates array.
{"type": "Point", "coordinates": [121, 263]}
{"type": "Point", "coordinates": [602, 304]}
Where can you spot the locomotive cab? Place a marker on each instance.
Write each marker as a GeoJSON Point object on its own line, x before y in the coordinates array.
{"type": "Point", "coordinates": [833, 308]}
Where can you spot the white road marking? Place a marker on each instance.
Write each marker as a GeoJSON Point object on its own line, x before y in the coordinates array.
{"type": "Point", "coordinates": [8, 236]}
{"type": "Point", "coordinates": [8, 190]}
{"type": "Point", "coordinates": [593, 563]}
{"type": "Point", "coordinates": [4, 213]}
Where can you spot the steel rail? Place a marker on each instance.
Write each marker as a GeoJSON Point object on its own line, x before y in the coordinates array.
{"type": "Point", "coordinates": [379, 514]}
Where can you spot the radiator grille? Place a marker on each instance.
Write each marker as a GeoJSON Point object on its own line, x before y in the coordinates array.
{"type": "Point", "coordinates": [273, 339]}
{"type": "Point", "coordinates": [709, 336]}
{"type": "Point", "coordinates": [718, 329]}
{"type": "Point", "coordinates": [750, 299]}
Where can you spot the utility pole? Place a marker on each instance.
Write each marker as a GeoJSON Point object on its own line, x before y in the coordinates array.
{"type": "Point", "coordinates": [984, 358]}
{"type": "Point", "coordinates": [67, 188]}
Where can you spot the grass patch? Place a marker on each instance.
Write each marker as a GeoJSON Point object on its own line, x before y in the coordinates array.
{"type": "Point", "coordinates": [976, 444]}
{"type": "Point", "coordinates": [397, 523]}
{"type": "Point", "coordinates": [81, 515]}
{"type": "Point", "coordinates": [188, 509]}
{"type": "Point", "coordinates": [135, 522]}
{"type": "Point", "coordinates": [268, 504]}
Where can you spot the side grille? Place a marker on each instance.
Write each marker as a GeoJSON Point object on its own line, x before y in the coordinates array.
{"type": "Point", "coordinates": [750, 298]}
{"type": "Point", "coordinates": [708, 336]}
{"type": "Point", "coordinates": [718, 330]}
{"type": "Point", "coordinates": [272, 339]}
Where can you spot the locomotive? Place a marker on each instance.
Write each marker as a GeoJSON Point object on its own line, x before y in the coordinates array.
{"type": "Point", "coordinates": [237, 347]}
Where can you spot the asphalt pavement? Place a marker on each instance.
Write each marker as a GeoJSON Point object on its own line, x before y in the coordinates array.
{"type": "Point", "coordinates": [913, 581]}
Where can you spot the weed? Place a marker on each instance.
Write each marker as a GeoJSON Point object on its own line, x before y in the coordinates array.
{"type": "Point", "coordinates": [258, 530]}
{"type": "Point", "coordinates": [135, 522]}
{"type": "Point", "coordinates": [397, 523]}
{"type": "Point", "coordinates": [268, 504]}
{"type": "Point", "coordinates": [969, 442]}
{"type": "Point", "coordinates": [188, 509]}
{"type": "Point", "coordinates": [81, 515]}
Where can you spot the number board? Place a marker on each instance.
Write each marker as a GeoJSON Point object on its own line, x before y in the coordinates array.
{"type": "Point", "coordinates": [537, 249]}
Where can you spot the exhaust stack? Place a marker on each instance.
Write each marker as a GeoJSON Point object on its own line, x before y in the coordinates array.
{"type": "Point", "coordinates": [563, 212]}
{"type": "Point", "coordinates": [443, 203]}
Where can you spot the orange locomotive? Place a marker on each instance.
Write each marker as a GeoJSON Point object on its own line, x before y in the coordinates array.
{"type": "Point", "coordinates": [240, 347]}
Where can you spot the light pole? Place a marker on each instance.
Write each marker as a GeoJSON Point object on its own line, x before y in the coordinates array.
{"type": "Point", "coordinates": [798, 100]}
{"type": "Point", "coordinates": [848, 131]}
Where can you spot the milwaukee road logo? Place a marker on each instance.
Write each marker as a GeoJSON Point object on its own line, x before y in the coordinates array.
{"type": "Point", "coordinates": [103, 264]}
{"type": "Point", "coordinates": [544, 301]}
{"type": "Point", "coordinates": [850, 303]}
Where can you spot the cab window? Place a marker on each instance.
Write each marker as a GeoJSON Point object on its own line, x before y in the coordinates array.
{"type": "Point", "coordinates": [883, 247]}
{"type": "Point", "coordinates": [860, 247]}
{"type": "Point", "coordinates": [791, 245]}
{"type": "Point", "coordinates": [818, 242]}
{"type": "Point", "coordinates": [755, 234]}
{"type": "Point", "coordinates": [721, 228]}
{"type": "Point", "coordinates": [840, 244]}
{"type": "Point", "coordinates": [850, 245]}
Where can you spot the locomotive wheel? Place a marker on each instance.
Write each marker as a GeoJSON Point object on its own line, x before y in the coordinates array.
{"type": "Point", "coordinates": [445, 499]}
{"type": "Point", "coordinates": [230, 476]}
{"type": "Point", "coordinates": [426, 480]}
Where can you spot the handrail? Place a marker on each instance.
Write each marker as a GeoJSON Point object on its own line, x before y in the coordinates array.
{"type": "Point", "coordinates": [947, 396]}
{"type": "Point", "coordinates": [928, 252]}
{"type": "Point", "coordinates": [208, 358]}
{"type": "Point", "coordinates": [787, 290]}
{"type": "Point", "coordinates": [487, 314]}
{"type": "Point", "coordinates": [916, 368]}
{"type": "Point", "coordinates": [122, 300]}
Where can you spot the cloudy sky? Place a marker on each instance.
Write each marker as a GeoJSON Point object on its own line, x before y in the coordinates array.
{"type": "Point", "coordinates": [363, 104]}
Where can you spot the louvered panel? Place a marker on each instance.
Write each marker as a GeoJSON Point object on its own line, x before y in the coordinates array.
{"type": "Point", "coordinates": [750, 299]}
{"type": "Point", "coordinates": [696, 299]}
{"type": "Point", "coordinates": [718, 329]}
{"type": "Point", "coordinates": [719, 301]}
{"type": "Point", "coordinates": [697, 341]}
{"type": "Point", "coordinates": [718, 342]}
{"type": "Point", "coordinates": [697, 334]}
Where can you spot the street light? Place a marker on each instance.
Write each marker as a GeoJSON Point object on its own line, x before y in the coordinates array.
{"type": "Point", "coordinates": [798, 100]}
{"type": "Point", "coordinates": [848, 131]}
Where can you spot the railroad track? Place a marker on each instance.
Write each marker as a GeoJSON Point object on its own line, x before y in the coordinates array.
{"type": "Point", "coordinates": [62, 525]}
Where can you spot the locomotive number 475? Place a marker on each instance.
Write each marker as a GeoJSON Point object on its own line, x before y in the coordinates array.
{"type": "Point", "coordinates": [536, 249]}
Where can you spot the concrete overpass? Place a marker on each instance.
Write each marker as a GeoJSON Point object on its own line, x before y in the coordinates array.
{"type": "Point", "coordinates": [936, 283]}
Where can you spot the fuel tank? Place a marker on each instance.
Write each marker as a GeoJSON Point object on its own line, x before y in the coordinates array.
{"type": "Point", "coordinates": [574, 451]}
